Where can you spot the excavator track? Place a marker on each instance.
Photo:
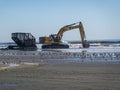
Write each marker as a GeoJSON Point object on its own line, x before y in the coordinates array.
{"type": "Point", "coordinates": [55, 46]}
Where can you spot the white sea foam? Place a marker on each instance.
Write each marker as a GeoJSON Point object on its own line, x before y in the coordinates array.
{"type": "Point", "coordinates": [13, 65]}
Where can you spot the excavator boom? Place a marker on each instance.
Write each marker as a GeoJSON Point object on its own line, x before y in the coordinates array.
{"type": "Point", "coordinates": [66, 28]}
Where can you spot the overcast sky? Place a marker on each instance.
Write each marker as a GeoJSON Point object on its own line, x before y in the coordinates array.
{"type": "Point", "coordinates": [101, 18]}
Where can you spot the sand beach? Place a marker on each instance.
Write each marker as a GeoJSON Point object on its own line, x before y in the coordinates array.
{"type": "Point", "coordinates": [70, 76]}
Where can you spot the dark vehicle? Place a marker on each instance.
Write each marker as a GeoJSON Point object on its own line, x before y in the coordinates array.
{"type": "Point", "coordinates": [24, 41]}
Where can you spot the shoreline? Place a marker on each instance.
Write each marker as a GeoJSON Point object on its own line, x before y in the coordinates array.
{"type": "Point", "coordinates": [10, 66]}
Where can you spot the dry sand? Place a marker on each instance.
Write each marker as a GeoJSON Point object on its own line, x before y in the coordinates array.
{"type": "Point", "coordinates": [70, 76]}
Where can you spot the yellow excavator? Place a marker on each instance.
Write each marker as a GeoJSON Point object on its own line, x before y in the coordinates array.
{"type": "Point", "coordinates": [54, 41]}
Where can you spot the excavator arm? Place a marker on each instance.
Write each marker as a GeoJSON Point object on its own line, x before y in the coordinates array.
{"type": "Point", "coordinates": [83, 37]}
{"type": "Point", "coordinates": [71, 27]}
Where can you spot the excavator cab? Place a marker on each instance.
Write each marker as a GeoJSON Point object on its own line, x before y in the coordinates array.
{"type": "Point", "coordinates": [54, 38]}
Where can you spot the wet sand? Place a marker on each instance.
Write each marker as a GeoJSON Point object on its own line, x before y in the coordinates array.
{"type": "Point", "coordinates": [69, 76]}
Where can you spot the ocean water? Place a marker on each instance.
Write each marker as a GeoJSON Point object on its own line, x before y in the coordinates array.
{"type": "Point", "coordinates": [94, 47]}
{"type": "Point", "coordinates": [74, 54]}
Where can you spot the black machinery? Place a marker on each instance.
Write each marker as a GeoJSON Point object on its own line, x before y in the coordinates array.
{"type": "Point", "coordinates": [24, 41]}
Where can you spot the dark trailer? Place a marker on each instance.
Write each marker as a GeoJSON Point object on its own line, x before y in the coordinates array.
{"type": "Point", "coordinates": [24, 41]}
